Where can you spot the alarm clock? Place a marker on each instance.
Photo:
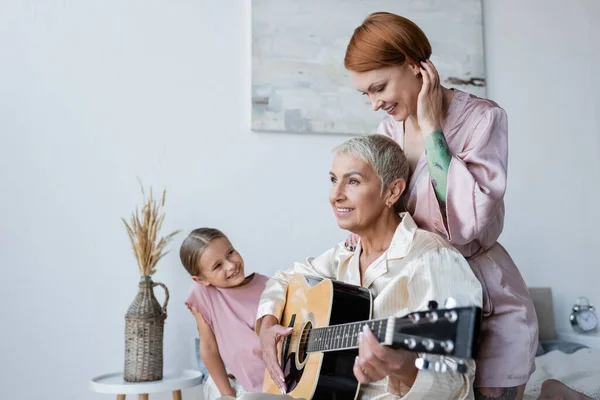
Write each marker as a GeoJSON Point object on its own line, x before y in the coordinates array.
{"type": "Point", "coordinates": [583, 318]}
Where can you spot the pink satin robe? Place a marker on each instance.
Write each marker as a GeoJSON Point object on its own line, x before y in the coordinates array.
{"type": "Point", "coordinates": [476, 132]}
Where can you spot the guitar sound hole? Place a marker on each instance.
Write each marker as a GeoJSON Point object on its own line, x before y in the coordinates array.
{"type": "Point", "coordinates": [304, 342]}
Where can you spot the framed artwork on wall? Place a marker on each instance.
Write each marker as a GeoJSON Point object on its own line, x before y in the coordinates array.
{"type": "Point", "coordinates": [299, 83]}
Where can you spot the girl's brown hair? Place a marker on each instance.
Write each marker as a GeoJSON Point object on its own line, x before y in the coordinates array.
{"type": "Point", "coordinates": [194, 245]}
{"type": "Point", "coordinates": [383, 40]}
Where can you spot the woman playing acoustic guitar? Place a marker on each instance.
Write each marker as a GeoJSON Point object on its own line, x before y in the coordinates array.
{"type": "Point", "coordinates": [403, 266]}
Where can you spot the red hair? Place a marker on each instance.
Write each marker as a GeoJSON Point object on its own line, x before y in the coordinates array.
{"type": "Point", "coordinates": [383, 40]}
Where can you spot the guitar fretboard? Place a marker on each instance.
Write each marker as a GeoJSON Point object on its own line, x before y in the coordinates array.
{"type": "Point", "coordinates": [344, 336]}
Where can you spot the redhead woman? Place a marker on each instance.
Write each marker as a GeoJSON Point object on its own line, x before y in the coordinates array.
{"type": "Point", "coordinates": [457, 148]}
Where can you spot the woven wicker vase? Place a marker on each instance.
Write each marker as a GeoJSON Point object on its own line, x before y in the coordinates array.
{"type": "Point", "coordinates": [144, 327]}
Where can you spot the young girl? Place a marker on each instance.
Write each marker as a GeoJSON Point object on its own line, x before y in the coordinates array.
{"type": "Point", "coordinates": [224, 303]}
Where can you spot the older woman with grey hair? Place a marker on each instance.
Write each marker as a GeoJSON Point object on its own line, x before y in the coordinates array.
{"type": "Point", "coordinates": [403, 266]}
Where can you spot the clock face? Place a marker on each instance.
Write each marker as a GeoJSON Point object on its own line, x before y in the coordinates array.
{"type": "Point", "coordinates": [587, 320]}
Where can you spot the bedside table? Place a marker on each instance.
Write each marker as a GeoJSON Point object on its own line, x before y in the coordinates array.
{"type": "Point", "coordinates": [173, 381]}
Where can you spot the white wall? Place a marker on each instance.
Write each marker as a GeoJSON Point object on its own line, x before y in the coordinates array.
{"type": "Point", "coordinates": [94, 94]}
{"type": "Point", "coordinates": [542, 63]}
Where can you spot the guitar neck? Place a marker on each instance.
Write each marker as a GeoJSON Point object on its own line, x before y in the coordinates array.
{"type": "Point", "coordinates": [345, 336]}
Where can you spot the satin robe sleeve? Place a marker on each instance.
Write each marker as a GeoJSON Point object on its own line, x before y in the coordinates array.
{"type": "Point", "coordinates": [442, 273]}
{"type": "Point", "coordinates": [477, 179]}
{"type": "Point", "coordinates": [476, 176]}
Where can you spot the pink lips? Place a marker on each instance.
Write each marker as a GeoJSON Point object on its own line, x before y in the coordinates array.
{"type": "Point", "coordinates": [234, 274]}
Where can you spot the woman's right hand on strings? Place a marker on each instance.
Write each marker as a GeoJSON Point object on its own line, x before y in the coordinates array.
{"type": "Point", "coordinates": [270, 334]}
{"type": "Point", "coordinates": [352, 241]}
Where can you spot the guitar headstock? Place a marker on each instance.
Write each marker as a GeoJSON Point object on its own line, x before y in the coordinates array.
{"type": "Point", "coordinates": [451, 331]}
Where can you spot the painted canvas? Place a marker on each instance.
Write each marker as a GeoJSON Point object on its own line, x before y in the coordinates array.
{"type": "Point", "coordinates": [299, 83]}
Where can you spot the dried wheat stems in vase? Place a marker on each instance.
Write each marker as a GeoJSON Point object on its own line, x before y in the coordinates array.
{"type": "Point", "coordinates": [143, 230]}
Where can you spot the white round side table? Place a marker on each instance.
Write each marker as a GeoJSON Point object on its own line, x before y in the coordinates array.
{"type": "Point", "coordinates": [173, 381]}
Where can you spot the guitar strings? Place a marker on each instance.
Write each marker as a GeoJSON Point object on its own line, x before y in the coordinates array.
{"type": "Point", "coordinates": [355, 344]}
{"type": "Point", "coordinates": [360, 325]}
{"type": "Point", "coordinates": [325, 338]}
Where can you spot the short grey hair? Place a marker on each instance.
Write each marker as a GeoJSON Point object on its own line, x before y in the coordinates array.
{"type": "Point", "coordinates": [382, 153]}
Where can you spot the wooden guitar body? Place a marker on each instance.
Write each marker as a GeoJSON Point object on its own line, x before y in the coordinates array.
{"type": "Point", "coordinates": [317, 359]}
{"type": "Point", "coordinates": [320, 375]}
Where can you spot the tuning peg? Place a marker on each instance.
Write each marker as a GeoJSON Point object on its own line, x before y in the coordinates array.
{"type": "Point", "coordinates": [448, 346]}
{"type": "Point", "coordinates": [414, 317]}
{"type": "Point", "coordinates": [432, 316]}
{"type": "Point", "coordinates": [410, 343]}
{"type": "Point", "coordinates": [461, 368]}
{"type": "Point", "coordinates": [432, 305]}
{"type": "Point", "coordinates": [428, 344]}
{"type": "Point", "coordinates": [450, 302]}
{"type": "Point", "coordinates": [422, 363]}
{"type": "Point", "coordinates": [451, 316]}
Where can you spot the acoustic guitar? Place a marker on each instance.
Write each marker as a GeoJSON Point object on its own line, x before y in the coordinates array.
{"type": "Point", "coordinates": [317, 358]}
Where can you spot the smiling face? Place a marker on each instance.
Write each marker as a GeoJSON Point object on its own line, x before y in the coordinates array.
{"type": "Point", "coordinates": [393, 89]}
{"type": "Point", "coordinates": [355, 196]}
{"type": "Point", "coordinates": [221, 265]}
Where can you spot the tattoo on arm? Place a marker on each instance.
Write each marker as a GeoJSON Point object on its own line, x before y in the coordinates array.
{"type": "Point", "coordinates": [507, 394]}
{"type": "Point", "coordinates": [438, 160]}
